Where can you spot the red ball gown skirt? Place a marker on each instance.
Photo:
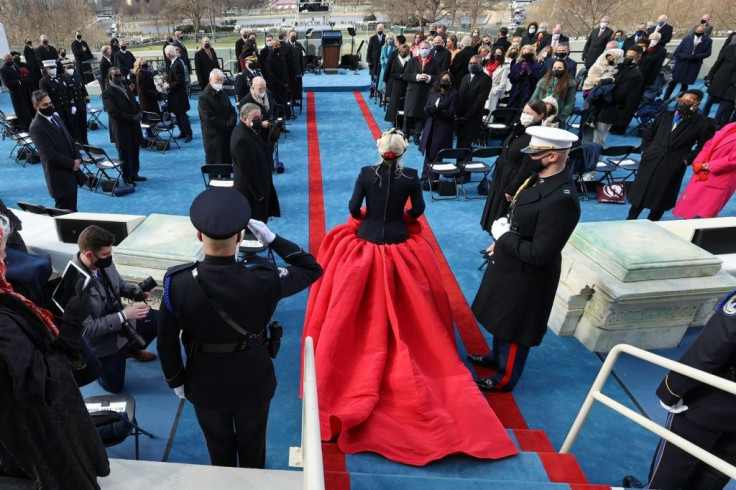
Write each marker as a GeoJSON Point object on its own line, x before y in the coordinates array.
{"type": "Point", "coordinates": [389, 378]}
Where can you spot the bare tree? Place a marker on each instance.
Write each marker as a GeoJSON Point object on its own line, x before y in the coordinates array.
{"type": "Point", "coordinates": [195, 10]}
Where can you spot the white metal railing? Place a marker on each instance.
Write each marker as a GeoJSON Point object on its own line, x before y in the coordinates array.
{"type": "Point", "coordinates": [595, 395]}
{"type": "Point", "coordinates": [314, 477]}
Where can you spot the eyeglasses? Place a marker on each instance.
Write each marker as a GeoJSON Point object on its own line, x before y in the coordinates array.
{"type": "Point", "coordinates": [473, 63]}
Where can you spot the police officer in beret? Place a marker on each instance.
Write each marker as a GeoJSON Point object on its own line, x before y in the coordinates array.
{"type": "Point", "coordinates": [517, 291]}
{"type": "Point", "coordinates": [222, 308]}
{"type": "Point", "coordinates": [700, 413]}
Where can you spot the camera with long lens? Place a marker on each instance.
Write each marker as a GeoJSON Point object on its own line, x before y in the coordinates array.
{"type": "Point", "coordinates": [135, 339]}
{"type": "Point", "coordinates": [139, 293]}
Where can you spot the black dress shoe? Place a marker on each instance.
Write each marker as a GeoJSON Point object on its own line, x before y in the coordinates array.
{"type": "Point", "coordinates": [478, 360]}
{"type": "Point", "coordinates": [631, 482]}
{"type": "Point", "coordinates": [129, 182]}
{"type": "Point", "coordinates": [486, 384]}
{"type": "Point", "coordinates": [139, 178]}
{"type": "Point", "coordinates": [188, 139]}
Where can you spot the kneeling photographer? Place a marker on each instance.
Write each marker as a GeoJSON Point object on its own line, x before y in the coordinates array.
{"type": "Point", "coordinates": [113, 330]}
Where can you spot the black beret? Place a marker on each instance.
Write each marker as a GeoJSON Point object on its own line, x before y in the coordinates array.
{"type": "Point", "coordinates": [220, 213]}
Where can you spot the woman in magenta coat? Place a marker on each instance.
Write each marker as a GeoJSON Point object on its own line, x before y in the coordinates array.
{"type": "Point", "coordinates": [714, 177]}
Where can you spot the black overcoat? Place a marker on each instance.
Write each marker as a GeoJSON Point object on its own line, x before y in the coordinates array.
{"type": "Point", "coordinates": [204, 63]}
{"type": "Point", "coordinates": [459, 65]}
{"type": "Point", "coordinates": [472, 97]}
{"type": "Point", "coordinates": [46, 432]}
{"type": "Point", "coordinates": [277, 76]}
{"type": "Point", "coordinates": [651, 64]}
{"type": "Point", "coordinates": [629, 83]}
{"type": "Point", "coordinates": [439, 128]}
{"type": "Point", "coordinates": [218, 118]}
{"type": "Point", "coordinates": [178, 98]}
{"type": "Point", "coordinates": [508, 164]}
{"type": "Point", "coordinates": [417, 92]}
{"type": "Point", "coordinates": [34, 65]}
{"type": "Point", "coordinates": [518, 288]}
{"type": "Point", "coordinates": [686, 70]}
{"type": "Point", "coordinates": [722, 75]}
{"type": "Point", "coordinates": [125, 128]}
{"type": "Point", "coordinates": [665, 155]}
{"type": "Point", "coordinates": [20, 93]}
{"type": "Point", "coordinates": [395, 86]}
{"type": "Point", "coordinates": [57, 152]}
{"type": "Point", "coordinates": [252, 171]}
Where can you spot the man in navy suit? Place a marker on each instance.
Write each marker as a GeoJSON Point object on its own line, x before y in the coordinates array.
{"type": "Point", "coordinates": [59, 156]}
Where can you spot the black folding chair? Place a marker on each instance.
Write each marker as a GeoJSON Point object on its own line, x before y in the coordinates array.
{"type": "Point", "coordinates": [106, 167]}
{"type": "Point", "coordinates": [610, 160]}
{"type": "Point", "coordinates": [114, 417]}
{"type": "Point", "coordinates": [444, 166]}
{"type": "Point", "coordinates": [478, 164]}
{"type": "Point", "coordinates": [217, 175]}
{"type": "Point", "coordinates": [157, 126]}
{"type": "Point", "coordinates": [502, 120]}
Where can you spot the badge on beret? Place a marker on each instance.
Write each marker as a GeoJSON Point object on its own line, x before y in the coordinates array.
{"type": "Point", "coordinates": [729, 304]}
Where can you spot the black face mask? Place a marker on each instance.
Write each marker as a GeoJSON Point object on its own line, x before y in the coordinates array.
{"type": "Point", "coordinates": [102, 263]}
{"type": "Point", "coordinates": [144, 66]}
{"type": "Point", "coordinates": [528, 56]}
{"type": "Point", "coordinates": [9, 63]}
{"type": "Point", "coordinates": [170, 41]}
{"type": "Point", "coordinates": [685, 109]}
{"type": "Point", "coordinates": [123, 48]}
{"type": "Point", "coordinates": [629, 62]}
{"type": "Point", "coordinates": [698, 34]}
{"type": "Point", "coordinates": [558, 73]}
{"type": "Point", "coordinates": [438, 48]}
{"type": "Point", "coordinates": [703, 21]}
{"type": "Point", "coordinates": [561, 56]}
{"type": "Point", "coordinates": [513, 55]}
{"type": "Point", "coordinates": [445, 84]}
{"type": "Point", "coordinates": [47, 111]}
{"type": "Point", "coordinates": [118, 79]}
{"type": "Point", "coordinates": [537, 165]}
{"type": "Point", "coordinates": [79, 38]}
{"type": "Point", "coordinates": [45, 42]}
{"type": "Point", "coordinates": [498, 57]}
{"type": "Point", "coordinates": [257, 122]}
{"type": "Point", "coordinates": [611, 62]}
{"type": "Point", "coordinates": [17, 60]}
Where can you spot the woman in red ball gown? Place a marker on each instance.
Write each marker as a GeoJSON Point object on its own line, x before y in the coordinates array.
{"type": "Point", "coordinates": [389, 379]}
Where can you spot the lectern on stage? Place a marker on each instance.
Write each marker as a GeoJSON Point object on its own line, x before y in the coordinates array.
{"type": "Point", "coordinates": [331, 46]}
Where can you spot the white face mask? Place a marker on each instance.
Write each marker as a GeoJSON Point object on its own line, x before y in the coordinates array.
{"type": "Point", "coordinates": [269, 43]}
{"type": "Point", "coordinates": [52, 72]}
{"type": "Point", "coordinates": [216, 86]}
{"type": "Point", "coordinates": [653, 42]}
{"type": "Point", "coordinates": [70, 71]}
{"type": "Point", "coordinates": [526, 119]}
{"type": "Point", "coordinates": [604, 25]}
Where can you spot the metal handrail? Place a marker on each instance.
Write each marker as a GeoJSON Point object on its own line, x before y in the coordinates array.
{"type": "Point", "coordinates": [314, 477]}
{"type": "Point", "coordinates": [595, 395]}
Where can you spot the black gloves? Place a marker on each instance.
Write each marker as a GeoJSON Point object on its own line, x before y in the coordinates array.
{"type": "Point", "coordinates": [432, 110]}
{"type": "Point", "coordinates": [690, 57]}
{"type": "Point", "coordinates": [605, 81]}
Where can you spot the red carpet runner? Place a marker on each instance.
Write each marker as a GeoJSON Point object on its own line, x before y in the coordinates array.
{"type": "Point", "coordinates": [559, 467]}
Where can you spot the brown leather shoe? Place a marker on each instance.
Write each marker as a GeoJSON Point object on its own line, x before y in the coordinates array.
{"type": "Point", "coordinates": [142, 355]}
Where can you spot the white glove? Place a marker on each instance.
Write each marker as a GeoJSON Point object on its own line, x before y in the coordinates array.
{"type": "Point", "coordinates": [261, 231]}
{"type": "Point", "coordinates": [74, 110]}
{"type": "Point", "coordinates": [499, 227]}
{"type": "Point", "coordinates": [676, 408]}
{"type": "Point", "coordinates": [89, 106]}
{"type": "Point", "coordinates": [179, 390]}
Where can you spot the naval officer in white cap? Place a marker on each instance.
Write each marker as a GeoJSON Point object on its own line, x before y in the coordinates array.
{"type": "Point", "coordinates": [517, 291]}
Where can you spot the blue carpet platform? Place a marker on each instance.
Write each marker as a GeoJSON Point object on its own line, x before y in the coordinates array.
{"type": "Point", "coordinates": [538, 416]}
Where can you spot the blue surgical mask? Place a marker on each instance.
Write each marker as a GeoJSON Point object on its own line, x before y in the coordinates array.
{"type": "Point", "coordinates": [532, 30]}
{"type": "Point", "coordinates": [661, 23]}
{"type": "Point", "coordinates": [424, 53]}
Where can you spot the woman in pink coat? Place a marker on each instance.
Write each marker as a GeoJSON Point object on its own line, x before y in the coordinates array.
{"type": "Point", "coordinates": [714, 177]}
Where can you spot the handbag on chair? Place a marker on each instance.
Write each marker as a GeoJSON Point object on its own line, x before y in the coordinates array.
{"type": "Point", "coordinates": [613, 193]}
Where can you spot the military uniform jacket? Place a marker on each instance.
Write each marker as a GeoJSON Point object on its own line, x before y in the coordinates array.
{"type": "Point", "coordinates": [59, 95]}
{"type": "Point", "coordinates": [517, 291]}
{"type": "Point", "coordinates": [664, 156]}
{"type": "Point", "coordinates": [249, 295]}
{"type": "Point", "coordinates": [713, 351]}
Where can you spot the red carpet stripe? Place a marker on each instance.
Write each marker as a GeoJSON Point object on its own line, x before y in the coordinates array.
{"type": "Point", "coordinates": [562, 468]}
{"type": "Point", "coordinates": [317, 224]}
{"type": "Point", "coordinates": [503, 403]}
{"type": "Point", "coordinates": [533, 441]}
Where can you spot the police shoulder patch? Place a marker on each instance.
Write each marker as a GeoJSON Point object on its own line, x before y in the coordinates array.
{"type": "Point", "coordinates": [728, 304]}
